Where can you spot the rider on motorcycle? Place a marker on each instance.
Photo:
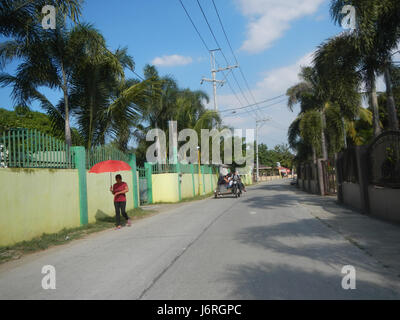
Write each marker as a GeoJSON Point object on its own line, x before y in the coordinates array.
{"type": "Point", "coordinates": [237, 177]}
{"type": "Point", "coordinates": [225, 180]}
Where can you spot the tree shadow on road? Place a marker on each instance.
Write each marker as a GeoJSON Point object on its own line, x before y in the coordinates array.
{"type": "Point", "coordinates": [310, 241]}
{"type": "Point", "coordinates": [267, 281]}
{"type": "Point", "coordinates": [376, 237]}
{"type": "Point", "coordinates": [285, 195]}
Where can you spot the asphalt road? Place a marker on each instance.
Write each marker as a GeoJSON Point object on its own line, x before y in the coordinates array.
{"type": "Point", "coordinates": [265, 245]}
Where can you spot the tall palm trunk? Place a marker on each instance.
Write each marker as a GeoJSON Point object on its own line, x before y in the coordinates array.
{"type": "Point", "coordinates": [323, 138]}
{"type": "Point", "coordinates": [344, 134]}
{"type": "Point", "coordinates": [314, 152]}
{"type": "Point", "coordinates": [391, 106]}
{"type": "Point", "coordinates": [373, 102]}
{"type": "Point", "coordinates": [68, 139]}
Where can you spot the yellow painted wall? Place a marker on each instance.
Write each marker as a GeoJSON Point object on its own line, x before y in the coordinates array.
{"type": "Point", "coordinates": [187, 186]}
{"type": "Point", "coordinates": [100, 199]}
{"type": "Point", "coordinates": [165, 187]}
{"type": "Point", "coordinates": [37, 201]}
{"type": "Point", "coordinates": [196, 184]}
{"type": "Point", "coordinates": [247, 179]}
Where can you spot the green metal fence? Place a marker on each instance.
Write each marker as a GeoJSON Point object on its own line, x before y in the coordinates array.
{"type": "Point", "coordinates": [104, 153]}
{"type": "Point", "coordinates": [27, 148]}
{"type": "Point", "coordinates": [184, 168]}
{"type": "Point", "coordinates": [164, 168]}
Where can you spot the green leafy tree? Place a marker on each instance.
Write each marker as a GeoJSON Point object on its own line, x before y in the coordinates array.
{"type": "Point", "coordinates": [50, 60]}
{"type": "Point", "coordinates": [375, 37]}
{"type": "Point", "coordinates": [22, 19]}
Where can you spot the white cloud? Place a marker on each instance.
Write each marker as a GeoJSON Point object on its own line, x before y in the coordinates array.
{"type": "Point", "coordinates": [171, 61]}
{"type": "Point", "coordinates": [274, 82]}
{"type": "Point", "coordinates": [277, 81]}
{"type": "Point", "coordinates": [269, 19]}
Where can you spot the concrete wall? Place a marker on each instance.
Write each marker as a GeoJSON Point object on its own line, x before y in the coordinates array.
{"type": "Point", "coordinates": [351, 195]}
{"type": "Point", "coordinates": [265, 178]}
{"type": "Point", "coordinates": [314, 189]}
{"type": "Point", "coordinates": [187, 186]}
{"type": "Point", "coordinates": [310, 186]}
{"type": "Point", "coordinates": [247, 179]}
{"type": "Point", "coordinates": [384, 203]}
{"type": "Point", "coordinates": [37, 201]}
{"type": "Point", "coordinates": [100, 199]}
{"type": "Point", "coordinates": [369, 199]}
{"type": "Point", "coordinates": [165, 187]}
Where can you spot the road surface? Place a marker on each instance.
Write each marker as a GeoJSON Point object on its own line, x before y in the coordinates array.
{"type": "Point", "coordinates": [266, 245]}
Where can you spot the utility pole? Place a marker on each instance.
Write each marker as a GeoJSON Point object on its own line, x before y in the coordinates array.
{"type": "Point", "coordinates": [214, 80]}
{"type": "Point", "coordinates": [259, 124]}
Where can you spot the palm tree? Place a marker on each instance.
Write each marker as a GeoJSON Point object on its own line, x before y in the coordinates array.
{"type": "Point", "coordinates": [336, 63]}
{"type": "Point", "coordinates": [50, 61]}
{"type": "Point", "coordinates": [388, 35]}
{"type": "Point", "coordinates": [192, 113]}
{"type": "Point", "coordinates": [309, 93]}
{"type": "Point", "coordinates": [375, 37]}
{"type": "Point", "coordinates": [161, 103]}
{"type": "Point", "coordinates": [22, 19]}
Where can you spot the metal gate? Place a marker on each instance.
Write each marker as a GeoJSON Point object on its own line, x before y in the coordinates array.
{"type": "Point", "coordinates": [143, 189]}
{"type": "Point", "coordinates": [329, 177]}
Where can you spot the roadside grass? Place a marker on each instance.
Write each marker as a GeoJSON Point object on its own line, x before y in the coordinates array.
{"type": "Point", "coordinates": [195, 198]}
{"type": "Point", "coordinates": [46, 241]}
{"type": "Point", "coordinates": [201, 197]}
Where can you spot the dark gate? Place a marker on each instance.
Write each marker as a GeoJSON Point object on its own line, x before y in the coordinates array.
{"type": "Point", "coordinates": [384, 160]}
{"type": "Point", "coordinates": [329, 177]}
{"type": "Point", "coordinates": [143, 190]}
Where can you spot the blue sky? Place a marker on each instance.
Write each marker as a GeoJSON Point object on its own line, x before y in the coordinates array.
{"type": "Point", "coordinates": [271, 39]}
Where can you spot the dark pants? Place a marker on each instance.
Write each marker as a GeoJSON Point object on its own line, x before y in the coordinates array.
{"type": "Point", "coordinates": [120, 209]}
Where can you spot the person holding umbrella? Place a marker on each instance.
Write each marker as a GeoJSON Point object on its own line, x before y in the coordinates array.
{"type": "Point", "coordinates": [119, 190]}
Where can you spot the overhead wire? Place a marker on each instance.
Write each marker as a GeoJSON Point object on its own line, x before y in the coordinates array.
{"type": "Point", "coordinates": [208, 49]}
{"type": "Point", "coordinates": [233, 53]}
{"type": "Point", "coordinates": [222, 52]}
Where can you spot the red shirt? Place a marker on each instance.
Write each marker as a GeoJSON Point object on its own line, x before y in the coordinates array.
{"type": "Point", "coordinates": [118, 187]}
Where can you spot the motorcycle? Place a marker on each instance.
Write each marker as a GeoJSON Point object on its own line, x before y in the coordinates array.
{"type": "Point", "coordinates": [235, 190]}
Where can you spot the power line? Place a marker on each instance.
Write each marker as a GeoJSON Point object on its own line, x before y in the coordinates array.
{"type": "Point", "coordinates": [265, 107]}
{"type": "Point", "coordinates": [207, 48]}
{"type": "Point", "coordinates": [194, 26]}
{"type": "Point", "coordinates": [220, 47]}
{"type": "Point", "coordinates": [260, 102]}
{"type": "Point", "coordinates": [233, 53]}
{"type": "Point", "coordinates": [141, 78]}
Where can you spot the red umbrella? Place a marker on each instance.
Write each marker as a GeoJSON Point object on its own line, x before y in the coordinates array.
{"type": "Point", "coordinates": [110, 166]}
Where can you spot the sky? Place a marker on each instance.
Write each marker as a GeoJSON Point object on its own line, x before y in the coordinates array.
{"type": "Point", "coordinates": [271, 40]}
